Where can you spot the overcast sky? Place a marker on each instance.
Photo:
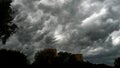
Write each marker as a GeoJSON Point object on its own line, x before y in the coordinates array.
{"type": "Point", "coordinates": [90, 27]}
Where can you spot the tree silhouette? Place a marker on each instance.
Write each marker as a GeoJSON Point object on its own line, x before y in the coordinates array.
{"type": "Point", "coordinates": [7, 27]}
{"type": "Point", "coordinates": [12, 58]}
{"type": "Point", "coordinates": [50, 58]}
{"type": "Point", "coordinates": [63, 57]}
{"type": "Point", "coordinates": [46, 56]}
{"type": "Point", "coordinates": [117, 62]}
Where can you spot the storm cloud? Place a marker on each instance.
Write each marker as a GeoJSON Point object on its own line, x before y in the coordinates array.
{"type": "Point", "coordinates": [90, 27]}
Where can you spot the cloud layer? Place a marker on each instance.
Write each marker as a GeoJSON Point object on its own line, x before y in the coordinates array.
{"type": "Point", "coordinates": [90, 27]}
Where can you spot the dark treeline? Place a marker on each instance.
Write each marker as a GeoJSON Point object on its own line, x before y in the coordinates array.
{"type": "Point", "coordinates": [7, 26]}
{"type": "Point", "coordinates": [48, 58]}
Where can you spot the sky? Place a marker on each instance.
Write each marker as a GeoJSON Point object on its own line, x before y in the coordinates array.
{"type": "Point", "coordinates": [89, 27]}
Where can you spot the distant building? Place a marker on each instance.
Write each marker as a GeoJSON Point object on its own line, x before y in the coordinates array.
{"type": "Point", "coordinates": [78, 57]}
{"type": "Point", "coordinates": [53, 52]}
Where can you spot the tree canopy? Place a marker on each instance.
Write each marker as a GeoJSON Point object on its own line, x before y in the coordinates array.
{"type": "Point", "coordinates": [7, 26]}
{"type": "Point", "coordinates": [12, 58]}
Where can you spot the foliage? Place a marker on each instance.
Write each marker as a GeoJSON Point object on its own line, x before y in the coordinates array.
{"type": "Point", "coordinates": [63, 57]}
{"type": "Point", "coordinates": [117, 62]}
{"type": "Point", "coordinates": [7, 27]}
{"type": "Point", "coordinates": [46, 56]}
{"type": "Point", "coordinates": [12, 58]}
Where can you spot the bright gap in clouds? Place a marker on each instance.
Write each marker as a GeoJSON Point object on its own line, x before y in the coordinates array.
{"type": "Point", "coordinates": [116, 41]}
{"type": "Point", "coordinates": [59, 37]}
{"type": "Point", "coordinates": [95, 16]}
{"type": "Point", "coordinates": [115, 38]}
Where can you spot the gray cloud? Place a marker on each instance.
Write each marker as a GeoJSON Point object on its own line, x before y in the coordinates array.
{"type": "Point", "coordinates": [90, 27]}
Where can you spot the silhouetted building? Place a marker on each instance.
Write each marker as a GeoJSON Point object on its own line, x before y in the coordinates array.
{"type": "Point", "coordinates": [78, 57]}
{"type": "Point", "coordinates": [53, 52]}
